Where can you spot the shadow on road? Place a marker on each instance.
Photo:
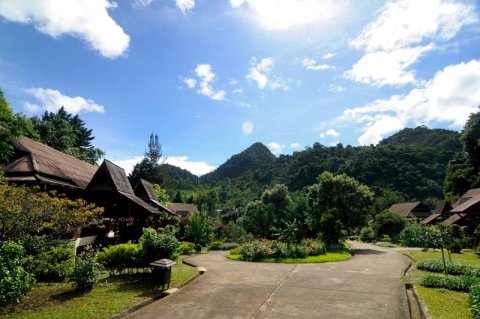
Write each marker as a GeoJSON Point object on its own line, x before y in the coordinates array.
{"type": "Point", "coordinates": [367, 252]}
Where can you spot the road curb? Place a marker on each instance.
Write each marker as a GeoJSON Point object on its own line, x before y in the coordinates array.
{"type": "Point", "coordinates": [415, 306]}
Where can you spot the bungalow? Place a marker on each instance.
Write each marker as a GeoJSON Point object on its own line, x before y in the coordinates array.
{"type": "Point", "coordinates": [466, 211]}
{"type": "Point", "coordinates": [411, 210]}
{"type": "Point", "coordinates": [185, 211]}
{"type": "Point", "coordinates": [107, 186]}
{"type": "Point", "coordinates": [441, 213]}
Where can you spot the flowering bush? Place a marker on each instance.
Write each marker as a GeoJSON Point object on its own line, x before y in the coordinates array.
{"type": "Point", "coordinates": [260, 249]}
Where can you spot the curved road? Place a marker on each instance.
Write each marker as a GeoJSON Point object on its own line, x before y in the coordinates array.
{"type": "Point", "coordinates": [366, 286]}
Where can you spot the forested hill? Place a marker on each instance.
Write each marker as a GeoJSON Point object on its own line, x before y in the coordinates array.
{"type": "Point", "coordinates": [251, 159]}
{"type": "Point", "coordinates": [175, 178]}
{"type": "Point", "coordinates": [410, 165]}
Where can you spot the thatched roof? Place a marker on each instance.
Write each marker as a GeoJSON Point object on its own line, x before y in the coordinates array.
{"type": "Point", "coordinates": [42, 163]}
{"type": "Point", "coordinates": [455, 218]}
{"type": "Point", "coordinates": [469, 203]}
{"type": "Point", "coordinates": [110, 177]}
{"type": "Point", "coordinates": [442, 206]}
{"type": "Point", "coordinates": [145, 191]}
{"type": "Point", "coordinates": [405, 209]}
{"type": "Point", "coordinates": [431, 219]}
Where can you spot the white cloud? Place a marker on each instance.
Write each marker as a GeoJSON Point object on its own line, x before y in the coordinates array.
{"type": "Point", "coordinates": [295, 146]}
{"type": "Point", "coordinates": [449, 97]}
{"type": "Point", "coordinates": [261, 73]}
{"type": "Point", "coordinates": [238, 91]}
{"type": "Point", "coordinates": [328, 55]}
{"type": "Point", "coordinates": [143, 3]}
{"type": "Point", "coordinates": [336, 88]}
{"type": "Point", "coordinates": [205, 76]}
{"type": "Point", "coordinates": [197, 168]}
{"type": "Point", "coordinates": [275, 148]}
{"type": "Point", "coordinates": [85, 19]}
{"type": "Point", "coordinates": [52, 100]}
{"type": "Point", "coordinates": [335, 143]}
{"type": "Point", "coordinates": [191, 83]}
{"type": "Point", "coordinates": [330, 132]}
{"type": "Point", "coordinates": [185, 5]}
{"type": "Point", "coordinates": [285, 14]}
{"type": "Point", "coordinates": [387, 68]}
{"type": "Point", "coordinates": [311, 65]}
{"type": "Point", "coordinates": [247, 127]}
{"type": "Point", "coordinates": [404, 31]}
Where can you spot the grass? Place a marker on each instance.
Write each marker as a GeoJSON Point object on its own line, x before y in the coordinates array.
{"type": "Point", "coordinates": [442, 303]}
{"type": "Point", "coordinates": [112, 295]}
{"type": "Point", "coordinates": [332, 255]}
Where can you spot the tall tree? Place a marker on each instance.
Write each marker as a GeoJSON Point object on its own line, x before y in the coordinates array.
{"type": "Point", "coordinates": [68, 134]}
{"type": "Point", "coordinates": [149, 167]}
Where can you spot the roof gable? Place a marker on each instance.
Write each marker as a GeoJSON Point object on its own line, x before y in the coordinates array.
{"type": "Point", "coordinates": [39, 158]}
{"type": "Point", "coordinates": [110, 177]}
{"type": "Point", "coordinates": [145, 190]}
{"type": "Point", "coordinates": [404, 209]}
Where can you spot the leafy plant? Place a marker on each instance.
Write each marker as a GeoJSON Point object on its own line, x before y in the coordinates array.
{"type": "Point", "coordinates": [475, 301]}
{"type": "Point", "coordinates": [456, 283]}
{"type": "Point", "coordinates": [119, 257]}
{"type": "Point", "coordinates": [199, 230]}
{"type": "Point", "coordinates": [156, 246]}
{"type": "Point", "coordinates": [86, 272]}
{"type": "Point", "coordinates": [452, 268]}
{"type": "Point", "coordinates": [259, 249]}
{"type": "Point", "coordinates": [14, 280]}
{"type": "Point", "coordinates": [367, 234]}
{"type": "Point", "coordinates": [186, 248]}
{"type": "Point", "coordinates": [55, 264]}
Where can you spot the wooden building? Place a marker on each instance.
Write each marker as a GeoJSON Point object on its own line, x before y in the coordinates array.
{"type": "Point", "coordinates": [185, 211]}
{"type": "Point", "coordinates": [411, 210]}
{"type": "Point", "coordinates": [466, 211]}
{"type": "Point", "coordinates": [439, 214]}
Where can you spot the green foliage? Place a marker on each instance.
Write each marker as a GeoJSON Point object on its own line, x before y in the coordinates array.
{"type": "Point", "coordinates": [388, 223]}
{"type": "Point", "coordinates": [85, 272]}
{"type": "Point", "coordinates": [413, 235]}
{"type": "Point", "coordinates": [434, 265]}
{"type": "Point", "coordinates": [186, 248]}
{"type": "Point", "coordinates": [351, 200]}
{"type": "Point", "coordinates": [456, 283]}
{"type": "Point", "coordinates": [236, 232]}
{"type": "Point", "coordinates": [199, 230]}
{"type": "Point", "coordinates": [119, 257]}
{"type": "Point", "coordinates": [367, 234]}
{"type": "Point", "coordinates": [475, 301]}
{"type": "Point", "coordinates": [55, 264]}
{"type": "Point", "coordinates": [330, 227]}
{"type": "Point", "coordinates": [156, 245]}
{"type": "Point", "coordinates": [261, 249]}
{"type": "Point", "coordinates": [162, 194]}
{"type": "Point", "coordinates": [221, 245]}
{"type": "Point", "coordinates": [26, 211]}
{"type": "Point", "coordinates": [14, 280]}
{"type": "Point", "coordinates": [3, 179]}
{"type": "Point", "coordinates": [68, 134]}
{"type": "Point", "coordinates": [149, 167]}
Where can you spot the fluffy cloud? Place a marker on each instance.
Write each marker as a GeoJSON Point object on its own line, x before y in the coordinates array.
{"type": "Point", "coordinates": [295, 146]}
{"type": "Point", "coordinates": [328, 55]}
{"type": "Point", "coordinates": [331, 133]}
{"type": "Point", "coordinates": [143, 3]}
{"type": "Point", "coordinates": [275, 148]}
{"type": "Point", "coordinates": [449, 97]}
{"type": "Point", "coordinates": [336, 88]}
{"type": "Point", "coordinates": [197, 168]}
{"type": "Point", "coordinates": [185, 5]}
{"type": "Point", "coordinates": [260, 72]}
{"type": "Point", "coordinates": [280, 15]}
{"type": "Point", "coordinates": [392, 42]}
{"type": "Point", "coordinates": [52, 100]}
{"type": "Point", "coordinates": [205, 76]}
{"type": "Point", "coordinates": [85, 19]}
{"type": "Point", "coordinates": [311, 65]}
{"type": "Point", "coordinates": [247, 127]}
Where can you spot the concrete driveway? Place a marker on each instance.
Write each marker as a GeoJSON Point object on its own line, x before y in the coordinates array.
{"type": "Point", "coordinates": [366, 286]}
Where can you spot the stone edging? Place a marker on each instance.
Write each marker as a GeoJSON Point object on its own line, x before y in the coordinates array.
{"type": "Point", "coordinates": [413, 297]}
{"type": "Point", "coordinates": [161, 295]}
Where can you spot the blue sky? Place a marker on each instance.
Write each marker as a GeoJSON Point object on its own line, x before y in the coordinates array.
{"type": "Point", "coordinates": [211, 77]}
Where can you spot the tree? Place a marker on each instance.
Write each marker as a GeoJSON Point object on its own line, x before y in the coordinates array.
{"type": "Point", "coordinates": [351, 199]}
{"type": "Point", "coordinates": [199, 230]}
{"type": "Point", "coordinates": [162, 195]}
{"type": "Point", "coordinates": [330, 227]}
{"type": "Point", "coordinates": [149, 167]}
{"type": "Point", "coordinates": [68, 134]}
{"type": "Point", "coordinates": [389, 223]}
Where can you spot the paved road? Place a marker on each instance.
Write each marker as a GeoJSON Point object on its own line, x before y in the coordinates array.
{"type": "Point", "coordinates": [366, 286]}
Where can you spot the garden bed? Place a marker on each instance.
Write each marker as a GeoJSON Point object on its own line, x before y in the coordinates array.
{"type": "Point", "coordinates": [110, 296]}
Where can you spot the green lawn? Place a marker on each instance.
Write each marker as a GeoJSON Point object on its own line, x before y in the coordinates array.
{"type": "Point", "coordinates": [112, 295]}
{"type": "Point", "coordinates": [330, 256]}
{"type": "Point", "coordinates": [442, 303]}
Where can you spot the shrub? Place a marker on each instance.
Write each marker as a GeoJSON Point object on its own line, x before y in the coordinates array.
{"type": "Point", "coordinates": [367, 234]}
{"type": "Point", "coordinates": [85, 273]}
{"type": "Point", "coordinates": [314, 247]}
{"type": "Point", "coordinates": [119, 257]}
{"type": "Point", "coordinates": [215, 245]}
{"type": "Point", "coordinates": [156, 246]}
{"type": "Point", "coordinates": [452, 268]}
{"type": "Point", "coordinates": [259, 249]}
{"type": "Point", "coordinates": [186, 248]}
{"type": "Point", "coordinates": [253, 250]}
{"type": "Point", "coordinates": [220, 245]}
{"type": "Point", "coordinates": [413, 235]}
{"type": "Point", "coordinates": [55, 264]}
{"type": "Point", "coordinates": [475, 301]}
{"type": "Point", "coordinates": [455, 246]}
{"type": "Point", "coordinates": [388, 223]}
{"type": "Point", "coordinates": [456, 283]}
{"type": "Point", "coordinates": [14, 280]}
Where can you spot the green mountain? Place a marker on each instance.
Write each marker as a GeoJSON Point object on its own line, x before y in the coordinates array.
{"type": "Point", "coordinates": [240, 164]}
{"type": "Point", "coordinates": [410, 164]}
{"type": "Point", "coordinates": [175, 178]}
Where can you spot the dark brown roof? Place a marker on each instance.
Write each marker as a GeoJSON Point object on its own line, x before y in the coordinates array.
{"type": "Point", "coordinates": [404, 209]}
{"type": "Point", "coordinates": [466, 205]}
{"type": "Point", "coordinates": [145, 191]}
{"type": "Point", "coordinates": [431, 219]}
{"type": "Point", "coordinates": [140, 203]}
{"type": "Point", "coordinates": [40, 160]}
{"type": "Point", "coordinates": [181, 207]}
{"type": "Point", "coordinates": [110, 177]}
{"type": "Point", "coordinates": [442, 206]}
{"type": "Point", "coordinates": [453, 219]}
